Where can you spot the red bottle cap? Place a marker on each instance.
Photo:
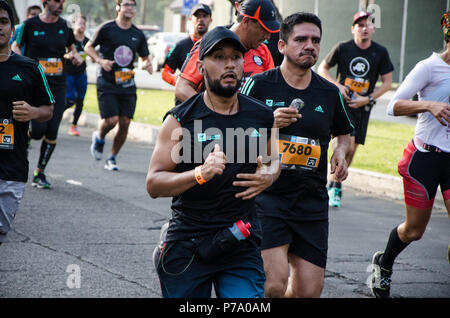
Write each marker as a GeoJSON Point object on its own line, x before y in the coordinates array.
{"type": "Point", "coordinates": [244, 228]}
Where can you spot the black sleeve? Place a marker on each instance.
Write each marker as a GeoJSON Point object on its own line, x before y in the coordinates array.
{"type": "Point", "coordinates": [143, 47]}
{"type": "Point", "coordinates": [172, 58]}
{"type": "Point", "coordinates": [99, 36]}
{"type": "Point", "coordinates": [386, 65]}
{"type": "Point", "coordinates": [71, 39]}
{"type": "Point", "coordinates": [251, 88]}
{"type": "Point", "coordinates": [42, 95]}
{"type": "Point", "coordinates": [333, 57]}
{"type": "Point", "coordinates": [22, 37]}
{"type": "Point", "coordinates": [341, 122]}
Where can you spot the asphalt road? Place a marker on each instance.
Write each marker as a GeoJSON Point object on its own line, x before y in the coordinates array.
{"type": "Point", "coordinates": [93, 234]}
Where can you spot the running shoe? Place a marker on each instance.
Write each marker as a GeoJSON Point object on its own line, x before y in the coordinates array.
{"type": "Point", "coordinates": [334, 195]}
{"type": "Point", "coordinates": [39, 181]}
{"type": "Point", "coordinates": [111, 165]}
{"type": "Point", "coordinates": [74, 131]}
{"type": "Point", "coordinates": [380, 285]}
{"type": "Point", "coordinates": [97, 146]}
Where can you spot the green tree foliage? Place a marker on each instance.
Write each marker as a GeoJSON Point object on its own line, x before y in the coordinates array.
{"type": "Point", "coordinates": [98, 12]}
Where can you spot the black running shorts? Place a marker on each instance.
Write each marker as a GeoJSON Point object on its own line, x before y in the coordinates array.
{"type": "Point", "coordinates": [307, 239]}
{"type": "Point", "coordinates": [360, 119]}
{"type": "Point", "coordinates": [111, 105]}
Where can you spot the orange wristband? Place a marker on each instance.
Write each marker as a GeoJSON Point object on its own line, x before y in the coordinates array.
{"type": "Point", "coordinates": [198, 175]}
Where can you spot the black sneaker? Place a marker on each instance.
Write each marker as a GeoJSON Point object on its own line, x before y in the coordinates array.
{"type": "Point", "coordinates": [40, 182]}
{"type": "Point", "coordinates": [380, 284]}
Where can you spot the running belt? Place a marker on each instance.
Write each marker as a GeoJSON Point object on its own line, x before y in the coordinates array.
{"type": "Point", "coordinates": [425, 146]}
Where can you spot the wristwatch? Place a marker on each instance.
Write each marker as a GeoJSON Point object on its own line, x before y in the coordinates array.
{"type": "Point", "coordinates": [371, 100]}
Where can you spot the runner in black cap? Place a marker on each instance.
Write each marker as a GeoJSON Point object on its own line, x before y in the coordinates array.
{"type": "Point", "coordinates": [213, 234]}
{"type": "Point", "coordinates": [200, 19]}
{"type": "Point", "coordinates": [272, 44]}
{"type": "Point", "coordinates": [255, 22]}
{"type": "Point", "coordinates": [25, 95]}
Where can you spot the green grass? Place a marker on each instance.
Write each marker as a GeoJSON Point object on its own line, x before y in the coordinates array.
{"type": "Point", "coordinates": [383, 147]}
{"type": "Point", "coordinates": [151, 105]}
{"type": "Point", "coordinates": [384, 142]}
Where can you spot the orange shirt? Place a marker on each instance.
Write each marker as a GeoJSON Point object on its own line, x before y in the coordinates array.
{"type": "Point", "coordinates": [255, 62]}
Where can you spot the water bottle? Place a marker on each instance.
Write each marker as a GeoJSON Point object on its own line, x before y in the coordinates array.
{"type": "Point", "coordinates": [240, 230]}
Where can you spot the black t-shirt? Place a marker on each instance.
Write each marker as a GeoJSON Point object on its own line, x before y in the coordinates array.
{"type": "Point", "coordinates": [272, 44]}
{"type": "Point", "coordinates": [47, 43]}
{"type": "Point", "coordinates": [68, 65]}
{"type": "Point", "coordinates": [323, 115]}
{"type": "Point", "coordinates": [178, 54]}
{"type": "Point", "coordinates": [119, 45]}
{"type": "Point", "coordinates": [363, 66]}
{"type": "Point", "coordinates": [205, 209]}
{"type": "Point", "coordinates": [22, 79]}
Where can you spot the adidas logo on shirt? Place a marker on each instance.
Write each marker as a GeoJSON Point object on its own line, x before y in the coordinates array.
{"type": "Point", "coordinates": [255, 133]}
{"type": "Point", "coordinates": [319, 109]}
{"type": "Point", "coordinates": [17, 78]}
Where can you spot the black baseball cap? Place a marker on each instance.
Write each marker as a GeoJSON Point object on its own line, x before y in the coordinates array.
{"type": "Point", "coordinates": [214, 37]}
{"type": "Point", "coordinates": [202, 7]}
{"type": "Point", "coordinates": [263, 11]}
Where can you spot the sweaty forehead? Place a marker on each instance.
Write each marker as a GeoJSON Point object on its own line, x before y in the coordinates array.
{"type": "Point", "coordinates": [306, 29]}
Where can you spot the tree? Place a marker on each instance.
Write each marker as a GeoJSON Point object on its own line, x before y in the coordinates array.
{"type": "Point", "coordinates": [143, 2]}
{"type": "Point", "coordinates": [98, 12]}
{"type": "Point", "coordinates": [106, 9]}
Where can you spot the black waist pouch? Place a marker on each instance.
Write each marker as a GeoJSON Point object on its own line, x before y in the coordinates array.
{"type": "Point", "coordinates": [222, 243]}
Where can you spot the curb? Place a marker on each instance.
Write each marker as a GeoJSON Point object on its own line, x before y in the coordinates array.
{"type": "Point", "coordinates": [367, 182]}
{"type": "Point", "coordinates": [137, 132]}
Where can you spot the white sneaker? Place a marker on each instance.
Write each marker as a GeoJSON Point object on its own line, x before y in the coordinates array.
{"type": "Point", "coordinates": [111, 165]}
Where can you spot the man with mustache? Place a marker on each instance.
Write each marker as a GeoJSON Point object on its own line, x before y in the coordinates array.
{"type": "Point", "coordinates": [256, 21]}
{"type": "Point", "coordinates": [294, 210]}
{"type": "Point", "coordinates": [200, 19]}
{"type": "Point", "coordinates": [360, 61]}
{"type": "Point", "coordinates": [48, 39]}
{"type": "Point", "coordinates": [217, 192]}
{"type": "Point", "coordinates": [25, 96]}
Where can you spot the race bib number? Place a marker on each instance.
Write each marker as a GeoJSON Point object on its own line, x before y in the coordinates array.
{"type": "Point", "coordinates": [299, 152]}
{"type": "Point", "coordinates": [124, 76]}
{"type": "Point", "coordinates": [6, 134]}
{"type": "Point", "coordinates": [52, 66]}
{"type": "Point", "coordinates": [357, 85]}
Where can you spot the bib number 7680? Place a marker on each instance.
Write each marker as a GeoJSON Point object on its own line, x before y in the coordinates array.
{"type": "Point", "coordinates": [298, 149]}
